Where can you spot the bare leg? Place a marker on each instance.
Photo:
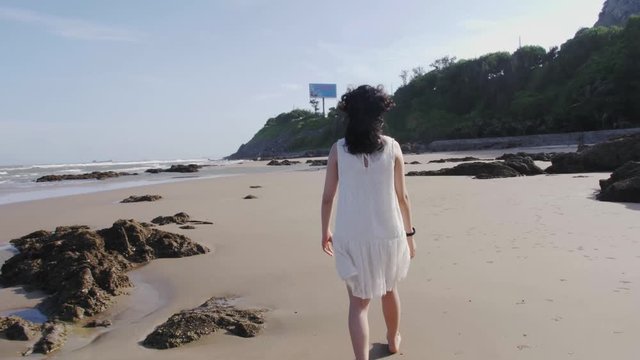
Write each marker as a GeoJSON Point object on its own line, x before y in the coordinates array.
{"type": "Point", "coordinates": [391, 312]}
{"type": "Point", "coordinates": [359, 326]}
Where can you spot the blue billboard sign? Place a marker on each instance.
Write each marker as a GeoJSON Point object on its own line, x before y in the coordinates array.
{"type": "Point", "coordinates": [323, 91]}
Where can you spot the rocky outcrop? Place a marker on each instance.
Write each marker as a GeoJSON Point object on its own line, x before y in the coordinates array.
{"type": "Point", "coordinates": [96, 175]}
{"type": "Point", "coordinates": [282, 163]}
{"type": "Point", "coordinates": [617, 12]}
{"type": "Point", "coordinates": [535, 156]}
{"type": "Point", "coordinates": [98, 323]}
{"type": "Point", "coordinates": [441, 161]}
{"type": "Point", "coordinates": [141, 198]}
{"type": "Point", "coordinates": [51, 335]}
{"type": "Point", "coordinates": [190, 168]}
{"type": "Point", "coordinates": [320, 162]}
{"type": "Point", "coordinates": [215, 314]}
{"type": "Point", "coordinates": [83, 269]}
{"type": "Point", "coordinates": [16, 328]}
{"type": "Point", "coordinates": [480, 170]}
{"type": "Point", "coordinates": [180, 218]}
{"type": "Point", "coordinates": [513, 167]}
{"type": "Point", "coordinates": [623, 185]}
{"type": "Point", "coordinates": [54, 335]}
{"type": "Point", "coordinates": [603, 157]}
{"type": "Point", "coordinates": [524, 165]}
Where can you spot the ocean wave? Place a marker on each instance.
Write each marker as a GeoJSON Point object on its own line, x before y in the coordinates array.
{"type": "Point", "coordinates": [4, 173]}
{"type": "Point", "coordinates": [24, 175]}
{"type": "Point", "coordinates": [227, 162]}
{"type": "Point", "coordinates": [135, 169]}
{"type": "Point", "coordinates": [70, 171]}
{"type": "Point", "coordinates": [106, 164]}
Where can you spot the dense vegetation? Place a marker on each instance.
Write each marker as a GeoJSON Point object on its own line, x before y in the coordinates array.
{"type": "Point", "coordinates": [592, 82]}
{"type": "Point", "coordinates": [294, 132]}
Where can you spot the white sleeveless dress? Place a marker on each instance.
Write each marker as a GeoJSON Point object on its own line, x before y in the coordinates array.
{"type": "Point", "coordinates": [370, 244]}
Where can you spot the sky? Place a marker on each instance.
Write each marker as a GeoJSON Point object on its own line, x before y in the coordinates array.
{"type": "Point", "coordinates": [181, 79]}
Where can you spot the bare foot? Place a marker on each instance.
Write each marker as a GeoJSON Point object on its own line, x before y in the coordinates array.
{"type": "Point", "coordinates": [394, 343]}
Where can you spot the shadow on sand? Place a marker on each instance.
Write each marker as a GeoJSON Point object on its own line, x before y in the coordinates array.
{"type": "Point", "coordinates": [629, 205]}
{"type": "Point", "coordinates": [379, 351]}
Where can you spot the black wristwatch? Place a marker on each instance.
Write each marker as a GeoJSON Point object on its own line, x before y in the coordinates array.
{"type": "Point", "coordinates": [413, 232]}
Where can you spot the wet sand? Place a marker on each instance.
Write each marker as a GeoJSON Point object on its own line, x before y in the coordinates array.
{"type": "Point", "coordinates": [519, 268]}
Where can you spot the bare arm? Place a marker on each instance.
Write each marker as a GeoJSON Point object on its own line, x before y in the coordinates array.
{"type": "Point", "coordinates": [328, 195]}
{"type": "Point", "coordinates": [403, 196]}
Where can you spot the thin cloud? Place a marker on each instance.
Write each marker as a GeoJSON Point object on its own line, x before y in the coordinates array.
{"type": "Point", "coordinates": [70, 27]}
{"type": "Point", "coordinates": [268, 96]}
{"type": "Point", "coordinates": [291, 86]}
{"type": "Point", "coordinates": [477, 24]}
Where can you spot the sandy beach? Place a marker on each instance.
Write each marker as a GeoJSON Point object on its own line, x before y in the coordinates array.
{"type": "Point", "coordinates": [517, 268]}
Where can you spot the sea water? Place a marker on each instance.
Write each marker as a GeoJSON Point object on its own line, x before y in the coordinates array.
{"type": "Point", "coordinates": [18, 182]}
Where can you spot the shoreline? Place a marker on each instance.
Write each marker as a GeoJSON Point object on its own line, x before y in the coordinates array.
{"type": "Point", "coordinates": [82, 187]}
{"type": "Point", "coordinates": [528, 267]}
{"type": "Point", "coordinates": [66, 188]}
{"type": "Point", "coordinates": [32, 191]}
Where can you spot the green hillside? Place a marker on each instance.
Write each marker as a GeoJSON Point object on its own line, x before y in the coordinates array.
{"type": "Point", "coordinates": [592, 82]}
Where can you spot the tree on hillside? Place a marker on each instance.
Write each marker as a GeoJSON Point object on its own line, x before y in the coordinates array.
{"type": "Point", "coordinates": [404, 76]}
{"type": "Point", "coordinates": [417, 72]}
{"type": "Point", "coordinates": [315, 105]}
{"type": "Point", "coordinates": [443, 63]}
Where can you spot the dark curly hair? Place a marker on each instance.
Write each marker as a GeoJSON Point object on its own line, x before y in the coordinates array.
{"type": "Point", "coordinates": [364, 107]}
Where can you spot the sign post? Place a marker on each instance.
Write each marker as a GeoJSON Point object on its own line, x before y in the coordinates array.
{"type": "Point", "coordinates": [323, 91]}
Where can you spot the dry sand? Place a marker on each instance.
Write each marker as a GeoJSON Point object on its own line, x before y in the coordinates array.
{"type": "Point", "coordinates": [520, 268]}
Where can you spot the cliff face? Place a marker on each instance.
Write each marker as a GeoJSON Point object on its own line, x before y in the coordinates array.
{"type": "Point", "coordinates": [617, 12]}
{"type": "Point", "coordinates": [291, 134]}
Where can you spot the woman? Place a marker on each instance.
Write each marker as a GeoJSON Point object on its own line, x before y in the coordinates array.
{"type": "Point", "coordinates": [373, 237]}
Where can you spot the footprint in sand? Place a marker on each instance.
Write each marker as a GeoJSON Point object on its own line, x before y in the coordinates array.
{"type": "Point", "coordinates": [523, 347]}
{"type": "Point", "coordinates": [549, 300]}
{"type": "Point", "coordinates": [521, 302]}
{"type": "Point", "coordinates": [557, 318]}
{"type": "Point", "coordinates": [489, 262]}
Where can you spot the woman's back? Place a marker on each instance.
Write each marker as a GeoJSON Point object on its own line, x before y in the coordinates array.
{"type": "Point", "coordinates": [367, 203]}
{"type": "Point", "coordinates": [373, 238]}
{"type": "Point", "coordinates": [369, 238]}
